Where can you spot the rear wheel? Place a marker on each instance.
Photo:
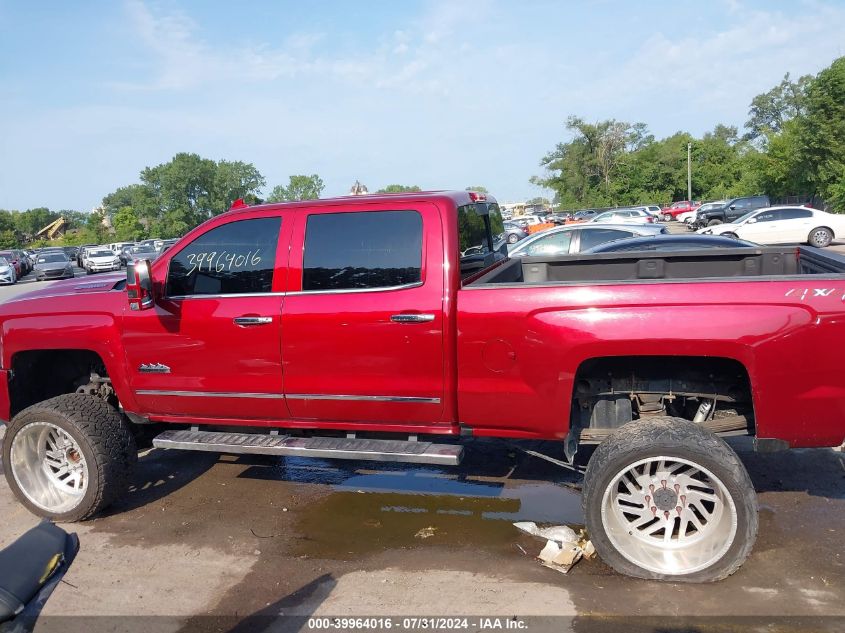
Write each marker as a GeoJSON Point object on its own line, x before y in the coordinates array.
{"type": "Point", "coordinates": [665, 499]}
{"type": "Point", "coordinates": [713, 222]}
{"type": "Point", "coordinates": [513, 238]}
{"type": "Point", "coordinates": [69, 457]}
{"type": "Point", "coordinates": [820, 237]}
{"type": "Point", "coordinates": [667, 217]}
{"type": "Point", "coordinates": [732, 235]}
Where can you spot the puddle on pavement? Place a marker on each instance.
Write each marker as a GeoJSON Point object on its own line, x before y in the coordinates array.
{"type": "Point", "coordinates": [391, 506]}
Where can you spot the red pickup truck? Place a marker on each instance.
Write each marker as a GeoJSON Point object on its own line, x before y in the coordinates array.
{"type": "Point", "coordinates": [353, 328]}
{"type": "Point", "coordinates": [677, 208]}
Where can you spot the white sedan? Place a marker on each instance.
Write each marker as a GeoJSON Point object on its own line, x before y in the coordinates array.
{"type": "Point", "coordinates": [624, 216]}
{"type": "Point", "coordinates": [783, 225]}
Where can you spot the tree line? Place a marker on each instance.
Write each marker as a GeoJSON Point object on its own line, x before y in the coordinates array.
{"type": "Point", "coordinates": [793, 145]}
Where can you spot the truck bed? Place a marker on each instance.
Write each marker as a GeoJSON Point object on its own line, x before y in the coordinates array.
{"type": "Point", "coordinates": [763, 262]}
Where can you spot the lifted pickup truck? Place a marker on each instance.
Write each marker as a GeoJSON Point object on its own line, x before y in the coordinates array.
{"type": "Point", "coordinates": [353, 328]}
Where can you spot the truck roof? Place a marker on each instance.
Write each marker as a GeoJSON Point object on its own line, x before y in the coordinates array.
{"type": "Point", "coordinates": [460, 198]}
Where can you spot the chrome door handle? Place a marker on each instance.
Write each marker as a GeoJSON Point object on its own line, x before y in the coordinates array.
{"type": "Point", "coordinates": [245, 321]}
{"type": "Point", "coordinates": [412, 318]}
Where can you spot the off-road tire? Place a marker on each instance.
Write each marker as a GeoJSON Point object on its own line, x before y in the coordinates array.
{"type": "Point", "coordinates": [671, 437]}
{"type": "Point", "coordinates": [104, 438]}
{"type": "Point", "coordinates": [820, 237]}
{"type": "Point", "coordinates": [714, 222]}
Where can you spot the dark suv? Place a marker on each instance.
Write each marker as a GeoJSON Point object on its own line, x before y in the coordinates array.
{"type": "Point", "coordinates": [730, 211]}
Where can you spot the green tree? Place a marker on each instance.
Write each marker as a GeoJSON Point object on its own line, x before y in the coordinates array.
{"type": "Point", "coordinates": [399, 189]}
{"type": "Point", "coordinates": [29, 222]}
{"type": "Point", "coordinates": [770, 111]}
{"type": "Point", "coordinates": [233, 180]}
{"type": "Point", "coordinates": [9, 239]}
{"type": "Point", "coordinates": [126, 225]}
{"type": "Point", "coordinates": [299, 187]}
{"type": "Point", "coordinates": [823, 133]}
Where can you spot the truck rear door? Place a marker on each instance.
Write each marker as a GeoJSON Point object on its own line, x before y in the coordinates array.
{"type": "Point", "coordinates": [363, 319]}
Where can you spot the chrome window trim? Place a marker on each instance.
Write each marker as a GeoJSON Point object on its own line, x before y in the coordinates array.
{"type": "Point", "coordinates": [327, 396]}
{"type": "Point", "coordinates": [415, 284]}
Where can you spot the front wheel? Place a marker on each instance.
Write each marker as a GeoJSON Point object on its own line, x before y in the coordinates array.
{"type": "Point", "coordinates": [714, 222]}
{"type": "Point", "coordinates": [820, 237]}
{"type": "Point", "coordinates": [69, 457]}
{"type": "Point", "coordinates": [665, 499]}
{"type": "Point", "coordinates": [513, 238]}
{"type": "Point", "coordinates": [731, 235]}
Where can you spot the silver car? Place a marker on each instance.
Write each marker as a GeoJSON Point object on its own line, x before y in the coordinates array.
{"type": "Point", "coordinates": [7, 272]}
{"type": "Point", "coordinates": [625, 216]}
{"type": "Point", "coordinates": [577, 238]}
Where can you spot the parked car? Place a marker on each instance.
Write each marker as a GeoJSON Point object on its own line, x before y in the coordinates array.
{"type": "Point", "coordinates": [100, 260]}
{"type": "Point", "coordinates": [676, 208]}
{"type": "Point", "coordinates": [53, 265]}
{"type": "Point", "coordinates": [369, 323]}
{"type": "Point", "coordinates": [80, 255]}
{"type": "Point", "coordinates": [7, 272]}
{"type": "Point", "coordinates": [666, 242]}
{"type": "Point", "coordinates": [730, 211]}
{"type": "Point", "coordinates": [689, 217]}
{"type": "Point", "coordinates": [165, 244]}
{"type": "Point", "coordinates": [584, 215]}
{"type": "Point", "coordinates": [123, 254]}
{"type": "Point", "coordinates": [135, 253]}
{"type": "Point", "coordinates": [576, 238]}
{"type": "Point", "coordinates": [14, 258]}
{"type": "Point", "coordinates": [624, 216]}
{"type": "Point", "coordinates": [783, 225]}
{"type": "Point", "coordinates": [513, 233]}
{"type": "Point", "coordinates": [524, 221]}
{"type": "Point", "coordinates": [653, 209]}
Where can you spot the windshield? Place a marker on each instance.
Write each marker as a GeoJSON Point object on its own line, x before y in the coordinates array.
{"type": "Point", "coordinates": [143, 249]}
{"type": "Point", "coordinates": [4, 261]}
{"type": "Point", "coordinates": [101, 253]}
{"type": "Point", "coordinates": [52, 258]}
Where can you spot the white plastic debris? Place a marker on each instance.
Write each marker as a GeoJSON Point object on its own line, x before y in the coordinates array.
{"type": "Point", "coordinates": [564, 547]}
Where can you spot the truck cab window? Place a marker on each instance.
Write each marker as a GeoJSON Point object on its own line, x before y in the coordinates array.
{"type": "Point", "coordinates": [234, 258]}
{"type": "Point", "coordinates": [370, 249]}
{"type": "Point", "coordinates": [478, 223]}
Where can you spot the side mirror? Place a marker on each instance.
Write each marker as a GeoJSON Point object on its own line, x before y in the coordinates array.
{"type": "Point", "coordinates": [751, 221]}
{"type": "Point", "coordinates": [139, 285]}
{"type": "Point", "coordinates": [733, 207]}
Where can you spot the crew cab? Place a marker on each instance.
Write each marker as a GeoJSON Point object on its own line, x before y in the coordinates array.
{"type": "Point", "coordinates": [352, 328]}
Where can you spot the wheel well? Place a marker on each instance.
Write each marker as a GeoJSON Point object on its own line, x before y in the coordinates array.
{"type": "Point", "coordinates": [609, 392]}
{"type": "Point", "coordinates": [41, 374]}
{"type": "Point", "coordinates": [832, 232]}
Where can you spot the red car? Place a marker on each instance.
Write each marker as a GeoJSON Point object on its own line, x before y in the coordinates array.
{"type": "Point", "coordinates": [14, 258]}
{"type": "Point", "coordinates": [354, 328]}
{"type": "Point", "coordinates": [676, 208]}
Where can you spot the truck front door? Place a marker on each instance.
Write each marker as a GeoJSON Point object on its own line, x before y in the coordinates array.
{"type": "Point", "coordinates": [210, 347]}
{"type": "Point", "coordinates": [363, 332]}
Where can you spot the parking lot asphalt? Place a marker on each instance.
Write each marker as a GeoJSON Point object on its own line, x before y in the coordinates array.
{"type": "Point", "coordinates": [212, 543]}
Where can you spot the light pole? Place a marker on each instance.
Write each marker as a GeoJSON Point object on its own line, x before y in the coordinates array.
{"type": "Point", "coordinates": [689, 173]}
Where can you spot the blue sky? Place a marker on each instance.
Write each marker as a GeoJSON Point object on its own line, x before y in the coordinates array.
{"type": "Point", "coordinates": [438, 93]}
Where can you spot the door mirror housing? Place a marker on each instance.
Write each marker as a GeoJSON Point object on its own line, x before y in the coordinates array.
{"type": "Point", "coordinates": [139, 285]}
{"type": "Point", "coordinates": [733, 207]}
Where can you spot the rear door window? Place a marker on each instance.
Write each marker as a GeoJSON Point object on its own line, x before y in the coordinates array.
{"type": "Point", "coordinates": [769, 216]}
{"type": "Point", "coordinates": [594, 237]}
{"type": "Point", "coordinates": [796, 214]}
{"type": "Point", "coordinates": [362, 250]}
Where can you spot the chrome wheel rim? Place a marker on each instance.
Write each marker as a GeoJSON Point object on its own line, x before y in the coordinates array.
{"type": "Point", "coordinates": [820, 238]}
{"type": "Point", "coordinates": [669, 515]}
{"type": "Point", "coordinates": [49, 467]}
